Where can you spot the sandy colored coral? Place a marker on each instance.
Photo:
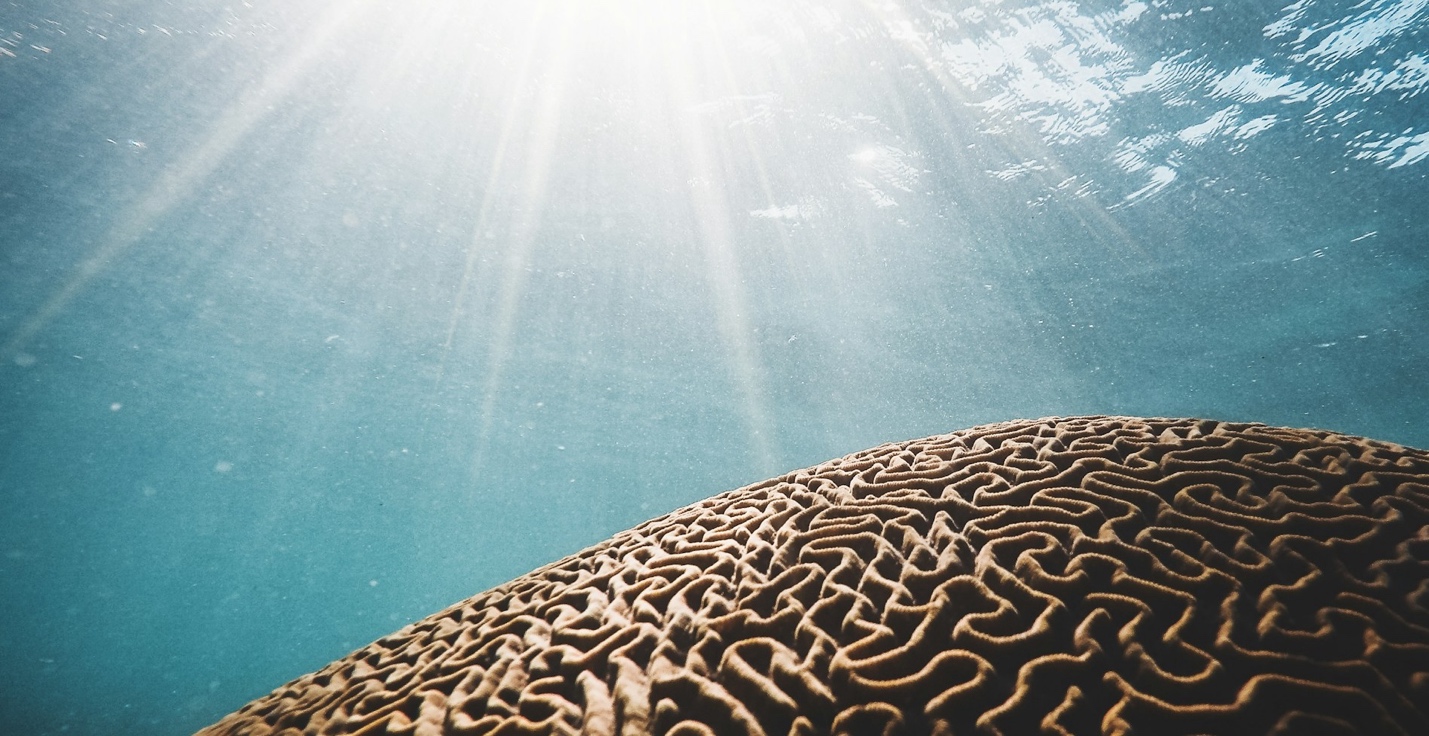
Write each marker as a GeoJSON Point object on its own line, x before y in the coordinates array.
{"type": "Point", "coordinates": [1081, 575]}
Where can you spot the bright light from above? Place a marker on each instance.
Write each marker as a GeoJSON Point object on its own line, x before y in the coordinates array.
{"type": "Point", "coordinates": [641, 24]}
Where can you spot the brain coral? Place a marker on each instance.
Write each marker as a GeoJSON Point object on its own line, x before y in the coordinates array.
{"type": "Point", "coordinates": [1082, 575]}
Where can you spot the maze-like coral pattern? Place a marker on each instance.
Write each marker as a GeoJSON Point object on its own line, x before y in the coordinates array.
{"type": "Point", "coordinates": [1084, 575]}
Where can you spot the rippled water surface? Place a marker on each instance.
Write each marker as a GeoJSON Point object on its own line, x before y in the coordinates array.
{"type": "Point", "coordinates": [316, 317]}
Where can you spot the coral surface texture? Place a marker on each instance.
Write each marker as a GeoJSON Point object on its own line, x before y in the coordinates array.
{"type": "Point", "coordinates": [1068, 575]}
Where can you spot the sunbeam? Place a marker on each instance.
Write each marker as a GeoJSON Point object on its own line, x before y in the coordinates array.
{"type": "Point", "coordinates": [544, 122]}
{"type": "Point", "coordinates": [179, 181]}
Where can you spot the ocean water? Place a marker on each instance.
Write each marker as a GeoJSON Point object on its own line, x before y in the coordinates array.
{"type": "Point", "coordinates": [316, 317]}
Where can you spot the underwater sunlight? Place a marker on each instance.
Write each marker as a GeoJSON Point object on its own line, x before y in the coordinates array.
{"type": "Point", "coordinates": [318, 317]}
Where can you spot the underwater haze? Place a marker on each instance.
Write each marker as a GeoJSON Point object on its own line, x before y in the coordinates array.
{"type": "Point", "coordinates": [317, 316]}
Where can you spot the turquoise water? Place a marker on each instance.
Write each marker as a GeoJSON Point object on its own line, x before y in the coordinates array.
{"type": "Point", "coordinates": [318, 317]}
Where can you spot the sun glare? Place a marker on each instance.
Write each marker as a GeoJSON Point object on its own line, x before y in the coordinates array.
{"type": "Point", "coordinates": [653, 15]}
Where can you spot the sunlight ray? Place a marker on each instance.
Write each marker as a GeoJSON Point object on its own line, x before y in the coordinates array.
{"type": "Point", "coordinates": [489, 194]}
{"type": "Point", "coordinates": [178, 183]}
{"type": "Point", "coordinates": [757, 156]}
{"type": "Point", "coordinates": [544, 123]}
{"type": "Point", "coordinates": [711, 207]}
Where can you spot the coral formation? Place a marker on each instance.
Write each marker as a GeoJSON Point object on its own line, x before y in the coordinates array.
{"type": "Point", "coordinates": [1066, 575]}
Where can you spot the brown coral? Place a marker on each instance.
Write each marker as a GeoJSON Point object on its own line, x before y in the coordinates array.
{"type": "Point", "coordinates": [1082, 575]}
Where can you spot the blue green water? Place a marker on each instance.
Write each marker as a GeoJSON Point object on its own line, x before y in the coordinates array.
{"type": "Point", "coordinates": [317, 317]}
